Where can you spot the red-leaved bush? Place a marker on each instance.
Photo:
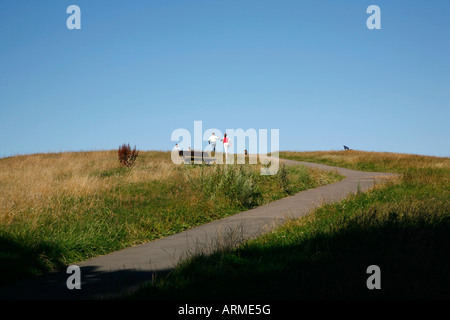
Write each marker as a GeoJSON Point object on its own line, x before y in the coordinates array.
{"type": "Point", "coordinates": [127, 156]}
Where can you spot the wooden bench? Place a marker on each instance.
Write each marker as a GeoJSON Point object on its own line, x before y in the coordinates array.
{"type": "Point", "coordinates": [192, 157]}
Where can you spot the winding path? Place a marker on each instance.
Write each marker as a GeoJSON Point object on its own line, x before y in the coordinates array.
{"type": "Point", "coordinates": [110, 275]}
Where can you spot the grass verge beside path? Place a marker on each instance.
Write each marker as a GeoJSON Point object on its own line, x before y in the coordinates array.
{"type": "Point", "coordinates": [59, 209]}
{"type": "Point", "coordinates": [402, 227]}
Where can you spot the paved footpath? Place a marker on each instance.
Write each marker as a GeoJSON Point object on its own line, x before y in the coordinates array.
{"type": "Point", "coordinates": [122, 271]}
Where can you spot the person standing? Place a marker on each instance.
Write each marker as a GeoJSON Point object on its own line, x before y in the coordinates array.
{"type": "Point", "coordinates": [213, 140]}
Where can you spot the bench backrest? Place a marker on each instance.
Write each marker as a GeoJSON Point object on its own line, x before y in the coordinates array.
{"type": "Point", "coordinates": [194, 153]}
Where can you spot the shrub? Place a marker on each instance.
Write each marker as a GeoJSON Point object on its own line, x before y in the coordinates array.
{"type": "Point", "coordinates": [283, 180]}
{"type": "Point", "coordinates": [127, 156]}
{"type": "Point", "coordinates": [238, 184]}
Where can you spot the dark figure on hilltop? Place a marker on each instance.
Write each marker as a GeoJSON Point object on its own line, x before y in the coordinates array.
{"type": "Point", "coordinates": [346, 148]}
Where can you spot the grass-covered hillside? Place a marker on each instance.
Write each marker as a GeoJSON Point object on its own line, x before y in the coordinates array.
{"type": "Point", "coordinates": [403, 227]}
{"type": "Point", "coordinates": [58, 209]}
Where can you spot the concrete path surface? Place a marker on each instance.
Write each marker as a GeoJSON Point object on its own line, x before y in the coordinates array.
{"type": "Point", "coordinates": [113, 274]}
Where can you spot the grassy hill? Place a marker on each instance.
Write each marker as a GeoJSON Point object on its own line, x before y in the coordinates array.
{"type": "Point", "coordinates": [58, 209]}
{"type": "Point", "coordinates": [402, 227]}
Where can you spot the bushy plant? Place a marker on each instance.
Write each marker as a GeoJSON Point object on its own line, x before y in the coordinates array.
{"type": "Point", "coordinates": [283, 179]}
{"type": "Point", "coordinates": [238, 184]}
{"type": "Point", "coordinates": [127, 156]}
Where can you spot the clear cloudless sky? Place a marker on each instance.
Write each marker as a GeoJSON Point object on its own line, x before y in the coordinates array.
{"type": "Point", "coordinates": [138, 70]}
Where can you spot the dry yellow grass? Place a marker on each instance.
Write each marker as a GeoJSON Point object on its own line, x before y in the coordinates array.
{"type": "Point", "coordinates": [384, 159]}
{"type": "Point", "coordinates": [34, 182]}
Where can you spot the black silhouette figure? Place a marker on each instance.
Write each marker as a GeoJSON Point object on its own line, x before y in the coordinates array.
{"type": "Point", "coordinates": [346, 148]}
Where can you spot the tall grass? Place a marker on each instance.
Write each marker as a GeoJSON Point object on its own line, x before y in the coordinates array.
{"type": "Point", "coordinates": [35, 183]}
{"type": "Point", "coordinates": [237, 184]}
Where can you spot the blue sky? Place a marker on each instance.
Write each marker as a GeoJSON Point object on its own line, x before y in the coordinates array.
{"type": "Point", "coordinates": [138, 70]}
